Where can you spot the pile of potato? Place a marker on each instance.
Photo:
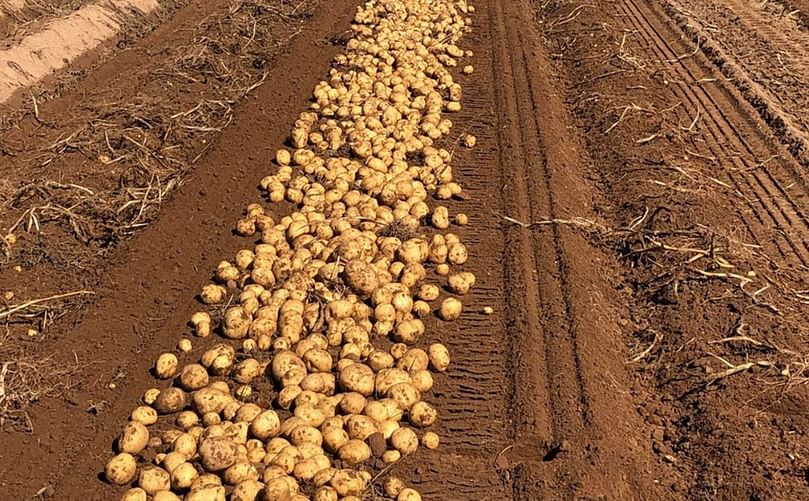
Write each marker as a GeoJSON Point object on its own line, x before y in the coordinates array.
{"type": "Point", "coordinates": [328, 306]}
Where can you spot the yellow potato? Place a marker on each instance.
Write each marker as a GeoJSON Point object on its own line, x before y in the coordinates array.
{"type": "Point", "coordinates": [121, 469]}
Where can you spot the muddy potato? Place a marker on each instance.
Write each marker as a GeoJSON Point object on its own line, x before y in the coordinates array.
{"type": "Point", "coordinates": [391, 456]}
{"type": "Point", "coordinates": [206, 493]}
{"type": "Point", "coordinates": [413, 360]}
{"type": "Point", "coordinates": [348, 482]}
{"type": "Point", "coordinates": [187, 420]}
{"type": "Point", "coordinates": [357, 378]}
{"type": "Point", "coordinates": [170, 400]}
{"type": "Point", "coordinates": [277, 489]}
{"type": "Point", "coordinates": [422, 380]}
{"type": "Point", "coordinates": [183, 475]}
{"type": "Point", "coordinates": [133, 438]}
{"type": "Point", "coordinates": [150, 396]}
{"type": "Point", "coordinates": [404, 394]}
{"type": "Point", "coordinates": [325, 493]}
{"type": "Point", "coordinates": [334, 438]}
{"type": "Point", "coordinates": [283, 362]}
{"type": "Point", "coordinates": [439, 357]}
{"type": "Point", "coordinates": [165, 496]}
{"type": "Point", "coordinates": [213, 294]}
{"type": "Point", "coordinates": [134, 494]}
{"type": "Point", "coordinates": [185, 444]}
{"type": "Point", "coordinates": [206, 480]}
{"type": "Point", "coordinates": [265, 425]}
{"type": "Point", "coordinates": [171, 460]}
{"type": "Point", "coordinates": [440, 218]}
{"type": "Point", "coordinates": [422, 414]}
{"type": "Point", "coordinates": [360, 427]}
{"type": "Point", "coordinates": [428, 292]}
{"type": "Point", "coordinates": [393, 486]}
{"type": "Point", "coordinates": [408, 494]}
{"type": "Point", "coordinates": [352, 403]}
{"type": "Point", "coordinates": [219, 359]}
{"type": "Point", "coordinates": [238, 472]}
{"type": "Point", "coordinates": [166, 366]}
{"type": "Point", "coordinates": [389, 377]}
{"type": "Point", "coordinates": [360, 277]}
{"type": "Point", "coordinates": [248, 490]}
{"type": "Point", "coordinates": [461, 283]}
{"type": "Point", "coordinates": [409, 331]}
{"type": "Point", "coordinates": [246, 370]}
{"type": "Point", "coordinates": [210, 399]}
{"type": "Point", "coordinates": [236, 323]}
{"type": "Point", "coordinates": [194, 377]}
{"type": "Point", "coordinates": [145, 415]}
{"type": "Point", "coordinates": [354, 452]}
{"type": "Point", "coordinates": [405, 441]}
{"type": "Point", "coordinates": [218, 453]}
{"type": "Point", "coordinates": [450, 309]}
{"type": "Point", "coordinates": [153, 479]}
{"type": "Point", "coordinates": [121, 469]}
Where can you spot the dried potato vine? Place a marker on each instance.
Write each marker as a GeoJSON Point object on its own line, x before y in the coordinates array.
{"type": "Point", "coordinates": [346, 268]}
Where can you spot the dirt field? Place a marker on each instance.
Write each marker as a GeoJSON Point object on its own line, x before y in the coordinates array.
{"type": "Point", "coordinates": [637, 201]}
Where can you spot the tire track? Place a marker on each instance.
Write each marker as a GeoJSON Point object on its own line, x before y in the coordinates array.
{"type": "Point", "coordinates": [761, 184]}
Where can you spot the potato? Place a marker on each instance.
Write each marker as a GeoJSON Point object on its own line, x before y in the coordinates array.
{"type": "Point", "coordinates": [246, 370]}
{"type": "Point", "coordinates": [171, 460]}
{"type": "Point", "coordinates": [283, 362]}
{"type": "Point", "coordinates": [393, 486]}
{"type": "Point", "coordinates": [185, 345]}
{"type": "Point", "coordinates": [187, 419]}
{"type": "Point", "coordinates": [360, 277]}
{"type": "Point", "coordinates": [150, 396]}
{"type": "Point", "coordinates": [208, 493]}
{"type": "Point", "coordinates": [414, 359]}
{"type": "Point", "coordinates": [409, 331]}
{"type": "Point", "coordinates": [213, 294]}
{"type": "Point", "coordinates": [461, 283]}
{"type": "Point", "coordinates": [404, 394]}
{"type": "Point", "coordinates": [185, 444]}
{"type": "Point", "coordinates": [405, 441]}
{"type": "Point", "coordinates": [305, 434]}
{"type": "Point", "coordinates": [325, 493]}
{"type": "Point", "coordinates": [422, 380]}
{"type": "Point", "coordinates": [166, 366]}
{"type": "Point", "coordinates": [144, 415]}
{"type": "Point", "coordinates": [390, 377]}
{"type": "Point", "coordinates": [440, 218]}
{"type": "Point", "coordinates": [135, 494]}
{"type": "Point", "coordinates": [277, 489]}
{"type": "Point", "coordinates": [240, 471]}
{"type": "Point", "coordinates": [210, 399]}
{"type": "Point", "coordinates": [133, 438]}
{"type": "Point", "coordinates": [236, 323]}
{"type": "Point", "coordinates": [429, 292]}
{"type": "Point", "coordinates": [348, 482]}
{"type": "Point", "coordinates": [248, 490]}
{"type": "Point", "coordinates": [165, 496]}
{"type": "Point", "coordinates": [219, 358]}
{"type": "Point", "coordinates": [202, 323]}
{"type": "Point", "coordinates": [334, 438]}
{"type": "Point", "coordinates": [265, 425]}
{"type": "Point", "coordinates": [121, 469]}
{"type": "Point", "coordinates": [318, 360]}
{"type": "Point", "coordinates": [153, 479]}
{"type": "Point", "coordinates": [183, 475]}
{"type": "Point", "coordinates": [193, 377]}
{"type": "Point", "coordinates": [422, 414]}
{"type": "Point", "coordinates": [354, 452]}
{"type": "Point", "coordinates": [218, 453]}
{"type": "Point", "coordinates": [450, 309]}
{"type": "Point", "coordinates": [357, 378]}
{"type": "Point", "coordinates": [393, 456]}
{"type": "Point", "coordinates": [352, 403]}
{"type": "Point", "coordinates": [408, 494]}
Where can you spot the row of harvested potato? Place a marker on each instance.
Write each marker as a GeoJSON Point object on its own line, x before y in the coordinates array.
{"type": "Point", "coordinates": [327, 308]}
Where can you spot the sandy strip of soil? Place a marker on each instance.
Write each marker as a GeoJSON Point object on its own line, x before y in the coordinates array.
{"type": "Point", "coordinates": [63, 40]}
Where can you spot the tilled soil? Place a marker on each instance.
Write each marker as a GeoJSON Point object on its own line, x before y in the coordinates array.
{"type": "Point", "coordinates": [636, 222]}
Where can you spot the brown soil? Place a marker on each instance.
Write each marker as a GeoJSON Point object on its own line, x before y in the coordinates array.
{"type": "Point", "coordinates": [636, 222]}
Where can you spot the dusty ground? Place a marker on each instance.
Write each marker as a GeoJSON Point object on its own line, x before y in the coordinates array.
{"type": "Point", "coordinates": [638, 204]}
